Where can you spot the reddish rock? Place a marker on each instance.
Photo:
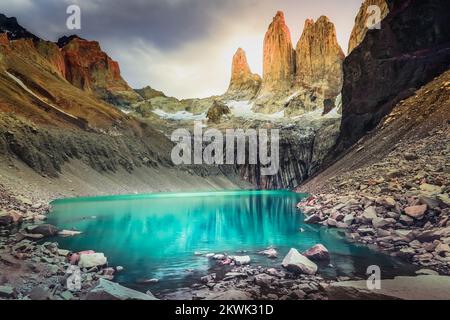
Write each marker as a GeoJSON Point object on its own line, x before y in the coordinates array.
{"type": "Point", "coordinates": [318, 252]}
{"type": "Point", "coordinates": [279, 60]}
{"type": "Point", "coordinates": [360, 28]}
{"type": "Point", "coordinates": [89, 68]}
{"type": "Point", "coordinates": [319, 58]}
{"type": "Point", "coordinates": [416, 211]}
{"type": "Point", "coordinates": [243, 84]}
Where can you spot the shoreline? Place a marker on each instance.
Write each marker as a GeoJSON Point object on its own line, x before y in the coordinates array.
{"type": "Point", "coordinates": [267, 283]}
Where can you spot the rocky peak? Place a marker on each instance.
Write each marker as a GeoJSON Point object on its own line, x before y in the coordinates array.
{"type": "Point", "coordinates": [64, 40]}
{"type": "Point", "coordinates": [14, 30]}
{"type": "Point", "coordinates": [243, 83]}
{"type": "Point", "coordinates": [360, 28]}
{"type": "Point", "coordinates": [319, 58]}
{"type": "Point", "coordinates": [91, 69]}
{"type": "Point", "coordinates": [409, 50]}
{"type": "Point", "coordinates": [278, 63]}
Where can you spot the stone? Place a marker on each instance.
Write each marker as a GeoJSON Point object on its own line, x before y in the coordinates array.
{"type": "Point", "coordinates": [382, 222]}
{"type": "Point", "coordinates": [405, 233]}
{"type": "Point", "coordinates": [431, 202]}
{"type": "Point", "coordinates": [442, 249]}
{"type": "Point", "coordinates": [298, 263]}
{"type": "Point", "coordinates": [427, 272]}
{"type": "Point", "coordinates": [69, 233]}
{"type": "Point", "coordinates": [107, 290]}
{"type": "Point", "coordinates": [430, 189]}
{"type": "Point", "coordinates": [47, 230]}
{"type": "Point", "coordinates": [313, 219]}
{"type": "Point", "coordinates": [269, 253]}
{"type": "Point", "coordinates": [444, 200]}
{"type": "Point", "coordinates": [404, 219]}
{"type": "Point", "coordinates": [241, 260]}
{"type": "Point", "coordinates": [6, 292]}
{"type": "Point", "coordinates": [348, 219]}
{"type": "Point", "coordinates": [366, 231]}
{"type": "Point", "coordinates": [92, 260]}
{"type": "Point", "coordinates": [264, 280]}
{"type": "Point", "coordinates": [63, 253]}
{"type": "Point", "coordinates": [387, 202]}
{"type": "Point", "coordinates": [66, 295]}
{"type": "Point", "coordinates": [331, 222]}
{"type": "Point", "coordinates": [416, 211]}
{"type": "Point", "coordinates": [219, 256]}
{"type": "Point", "coordinates": [369, 214]}
{"type": "Point", "coordinates": [5, 219]}
{"type": "Point", "coordinates": [317, 252]}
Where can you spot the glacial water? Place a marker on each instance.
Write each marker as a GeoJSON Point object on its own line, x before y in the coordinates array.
{"type": "Point", "coordinates": [157, 235]}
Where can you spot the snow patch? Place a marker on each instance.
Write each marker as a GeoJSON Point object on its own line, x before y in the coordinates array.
{"type": "Point", "coordinates": [180, 115]}
{"type": "Point", "coordinates": [243, 109]}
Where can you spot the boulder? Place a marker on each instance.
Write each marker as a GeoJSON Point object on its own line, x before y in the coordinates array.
{"type": "Point", "coordinates": [369, 214]}
{"type": "Point", "coordinates": [318, 252]}
{"type": "Point", "coordinates": [107, 290]}
{"type": "Point", "coordinates": [6, 292]}
{"type": "Point", "coordinates": [298, 263]}
{"type": "Point", "coordinates": [382, 222]}
{"type": "Point", "coordinates": [416, 211]}
{"type": "Point", "coordinates": [5, 219]}
{"type": "Point", "coordinates": [91, 260]}
{"type": "Point", "coordinates": [241, 260]}
{"type": "Point", "coordinates": [47, 230]}
{"type": "Point", "coordinates": [269, 253]}
{"type": "Point", "coordinates": [313, 219]}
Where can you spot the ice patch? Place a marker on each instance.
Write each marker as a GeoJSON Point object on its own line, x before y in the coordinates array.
{"type": "Point", "coordinates": [180, 115]}
{"type": "Point", "coordinates": [243, 109]}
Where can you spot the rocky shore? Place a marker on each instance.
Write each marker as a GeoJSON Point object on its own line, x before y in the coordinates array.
{"type": "Point", "coordinates": [32, 268]}
{"type": "Point", "coordinates": [399, 204]}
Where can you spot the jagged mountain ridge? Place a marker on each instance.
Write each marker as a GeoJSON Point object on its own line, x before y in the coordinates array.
{"type": "Point", "coordinates": [300, 79]}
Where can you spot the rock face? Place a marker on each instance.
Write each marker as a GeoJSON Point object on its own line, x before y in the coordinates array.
{"type": "Point", "coordinates": [279, 57]}
{"type": "Point", "coordinates": [364, 16]}
{"type": "Point", "coordinates": [244, 84]}
{"type": "Point", "coordinates": [319, 59]}
{"type": "Point", "coordinates": [91, 69]}
{"type": "Point", "coordinates": [409, 51]}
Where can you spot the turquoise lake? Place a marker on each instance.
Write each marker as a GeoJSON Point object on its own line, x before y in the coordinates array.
{"type": "Point", "coordinates": [156, 235]}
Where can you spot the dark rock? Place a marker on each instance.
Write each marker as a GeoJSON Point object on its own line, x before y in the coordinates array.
{"type": "Point", "coordinates": [409, 51]}
{"type": "Point", "coordinates": [46, 230]}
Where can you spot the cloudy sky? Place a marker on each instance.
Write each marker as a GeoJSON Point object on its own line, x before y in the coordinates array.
{"type": "Point", "coordinates": [183, 47]}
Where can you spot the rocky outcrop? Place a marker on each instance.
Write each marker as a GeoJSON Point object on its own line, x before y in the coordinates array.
{"type": "Point", "coordinates": [91, 69]}
{"type": "Point", "coordinates": [319, 59]}
{"type": "Point", "coordinates": [279, 56]}
{"type": "Point", "coordinates": [148, 93]}
{"type": "Point", "coordinates": [217, 111]}
{"type": "Point", "coordinates": [365, 16]}
{"type": "Point", "coordinates": [11, 27]}
{"type": "Point", "coordinates": [243, 84]}
{"type": "Point", "coordinates": [409, 50]}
